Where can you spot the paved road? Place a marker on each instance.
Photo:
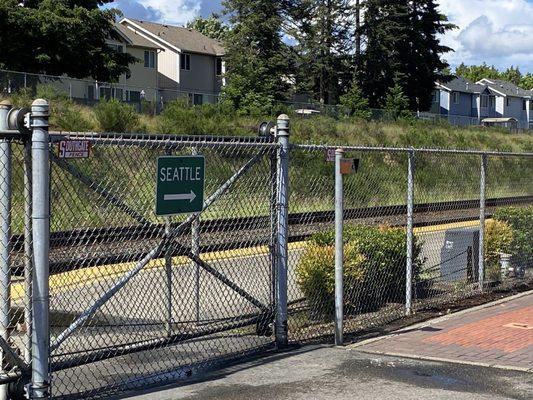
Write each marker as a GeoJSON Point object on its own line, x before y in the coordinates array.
{"type": "Point", "coordinates": [346, 374]}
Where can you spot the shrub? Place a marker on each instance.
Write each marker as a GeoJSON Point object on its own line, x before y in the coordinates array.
{"type": "Point", "coordinates": [499, 238]}
{"type": "Point", "coordinates": [115, 116]}
{"type": "Point", "coordinates": [71, 119]}
{"type": "Point", "coordinates": [374, 269]}
{"type": "Point", "coordinates": [356, 103]}
{"type": "Point", "coordinates": [521, 221]}
{"type": "Point", "coordinates": [50, 93]}
{"type": "Point", "coordinates": [22, 98]}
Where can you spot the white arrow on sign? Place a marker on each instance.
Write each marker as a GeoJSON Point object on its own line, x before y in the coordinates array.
{"type": "Point", "coordinates": [180, 196]}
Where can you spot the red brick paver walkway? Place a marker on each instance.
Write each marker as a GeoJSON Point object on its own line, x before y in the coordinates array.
{"type": "Point", "coordinates": [498, 335]}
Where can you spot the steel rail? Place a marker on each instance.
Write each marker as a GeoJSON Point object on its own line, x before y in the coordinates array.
{"type": "Point", "coordinates": [157, 231]}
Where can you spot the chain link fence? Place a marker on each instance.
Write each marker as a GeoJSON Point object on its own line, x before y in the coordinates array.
{"type": "Point", "coordinates": [136, 299]}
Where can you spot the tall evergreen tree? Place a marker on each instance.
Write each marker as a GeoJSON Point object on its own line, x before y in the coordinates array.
{"type": "Point", "coordinates": [256, 56]}
{"type": "Point", "coordinates": [423, 65]}
{"type": "Point", "coordinates": [323, 32]}
{"type": "Point", "coordinates": [402, 43]}
{"type": "Point", "coordinates": [60, 37]}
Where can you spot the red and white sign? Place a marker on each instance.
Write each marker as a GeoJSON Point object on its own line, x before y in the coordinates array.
{"type": "Point", "coordinates": [74, 149]}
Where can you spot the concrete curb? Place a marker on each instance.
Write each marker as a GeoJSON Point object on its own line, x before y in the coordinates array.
{"type": "Point", "coordinates": [448, 360]}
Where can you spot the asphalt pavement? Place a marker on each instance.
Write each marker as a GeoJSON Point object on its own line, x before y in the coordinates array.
{"type": "Point", "coordinates": [328, 373]}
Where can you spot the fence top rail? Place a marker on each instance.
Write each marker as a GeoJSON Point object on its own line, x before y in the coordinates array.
{"type": "Point", "coordinates": [324, 147]}
{"type": "Point", "coordinates": [163, 139]}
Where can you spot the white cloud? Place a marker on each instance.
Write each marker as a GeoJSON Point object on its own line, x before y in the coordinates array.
{"type": "Point", "coordinates": [174, 11]}
{"type": "Point", "coordinates": [499, 32]}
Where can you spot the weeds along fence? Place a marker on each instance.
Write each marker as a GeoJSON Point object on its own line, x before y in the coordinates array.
{"type": "Point", "coordinates": [121, 298]}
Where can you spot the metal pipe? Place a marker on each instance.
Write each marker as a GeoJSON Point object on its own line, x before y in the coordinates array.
{"type": "Point", "coordinates": [28, 251]}
{"type": "Point", "coordinates": [409, 250]}
{"type": "Point", "coordinates": [339, 248]}
{"type": "Point", "coordinates": [195, 249]}
{"type": "Point", "coordinates": [482, 207]}
{"type": "Point", "coordinates": [40, 383]}
{"type": "Point", "coordinates": [282, 133]}
{"type": "Point", "coordinates": [5, 233]}
{"type": "Point", "coordinates": [312, 147]}
{"type": "Point", "coordinates": [273, 225]}
{"type": "Point", "coordinates": [168, 269]}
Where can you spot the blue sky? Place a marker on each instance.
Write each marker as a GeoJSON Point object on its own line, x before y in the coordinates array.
{"type": "Point", "coordinates": [499, 32]}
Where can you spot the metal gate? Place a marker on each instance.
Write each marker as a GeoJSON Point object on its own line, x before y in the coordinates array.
{"type": "Point", "coordinates": [136, 299]}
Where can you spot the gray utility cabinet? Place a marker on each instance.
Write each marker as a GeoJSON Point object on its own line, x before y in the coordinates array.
{"type": "Point", "coordinates": [460, 255]}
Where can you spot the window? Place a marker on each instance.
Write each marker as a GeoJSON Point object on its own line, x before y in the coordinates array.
{"type": "Point", "coordinates": [105, 93]}
{"type": "Point", "coordinates": [198, 99]}
{"type": "Point", "coordinates": [133, 96]}
{"type": "Point", "coordinates": [219, 66]}
{"type": "Point", "coordinates": [119, 94]}
{"type": "Point", "coordinates": [508, 102]}
{"type": "Point", "coordinates": [484, 101]}
{"type": "Point", "coordinates": [492, 101]}
{"type": "Point", "coordinates": [185, 61]}
{"type": "Point", "coordinates": [455, 96]}
{"type": "Point", "coordinates": [90, 92]}
{"type": "Point", "coordinates": [117, 47]}
{"type": "Point", "coordinates": [531, 104]}
{"type": "Point", "coordinates": [149, 59]}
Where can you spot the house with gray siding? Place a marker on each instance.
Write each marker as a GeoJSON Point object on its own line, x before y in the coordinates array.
{"type": "Point", "coordinates": [511, 101]}
{"type": "Point", "coordinates": [190, 65]}
{"type": "Point", "coordinates": [463, 102]}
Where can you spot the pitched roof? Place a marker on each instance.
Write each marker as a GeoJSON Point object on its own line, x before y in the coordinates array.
{"type": "Point", "coordinates": [505, 88]}
{"type": "Point", "coordinates": [134, 38]}
{"type": "Point", "coordinates": [184, 39]}
{"type": "Point", "coordinates": [459, 84]}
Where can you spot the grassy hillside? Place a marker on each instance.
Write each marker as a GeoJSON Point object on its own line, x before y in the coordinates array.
{"type": "Point", "coordinates": [178, 118]}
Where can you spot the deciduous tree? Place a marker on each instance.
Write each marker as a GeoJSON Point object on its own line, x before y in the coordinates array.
{"type": "Point", "coordinates": [60, 37]}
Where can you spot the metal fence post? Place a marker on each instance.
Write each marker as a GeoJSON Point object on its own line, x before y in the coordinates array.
{"type": "Point", "coordinates": [5, 231]}
{"type": "Point", "coordinates": [409, 250]}
{"type": "Point", "coordinates": [168, 269]}
{"type": "Point", "coordinates": [339, 248]}
{"type": "Point", "coordinates": [195, 249]}
{"type": "Point", "coordinates": [28, 251]}
{"type": "Point", "coordinates": [482, 196]}
{"type": "Point", "coordinates": [41, 246]}
{"type": "Point", "coordinates": [282, 133]}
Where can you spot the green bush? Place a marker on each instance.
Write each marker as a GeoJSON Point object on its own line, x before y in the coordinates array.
{"type": "Point", "coordinates": [499, 237]}
{"type": "Point", "coordinates": [208, 119]}
{"type": "Point", "coordinates": [115, 116]}
{"type": "Point", "coordinates": [71, 119]}
{"type": "Point", "coordinates": [521, 220]}
{"type": "Point", "coordinates": [50, 93]}
{"type": "Point", "coordinates": [375, 263]}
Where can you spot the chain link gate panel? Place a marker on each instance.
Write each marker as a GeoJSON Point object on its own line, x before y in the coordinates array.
{"type": "Point", "coordinates": [139, 299]}
{"type": "Point", "coordinates": [15, 259]}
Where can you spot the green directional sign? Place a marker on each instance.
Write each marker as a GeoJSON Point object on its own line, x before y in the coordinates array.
{"type": "Point", "coordinates": [180, 184]}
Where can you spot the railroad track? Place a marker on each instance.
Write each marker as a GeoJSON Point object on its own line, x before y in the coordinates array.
{"type": "Point", "coordinates": [82, 248]}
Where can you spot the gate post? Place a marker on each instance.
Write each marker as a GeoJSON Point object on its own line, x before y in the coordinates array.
{"type": "Point", "coordinates": [5, 231]}
{"type": "Point", "coordinates": [482, 195]}
{"type": "Point", "coordinates": [339, 249]}
{"type": "Point", "coordinates": [409, 250]}
{"type": "Point", "coordinates": [40, 382]}
{"type": "Point", "coordinates": [282, 134]}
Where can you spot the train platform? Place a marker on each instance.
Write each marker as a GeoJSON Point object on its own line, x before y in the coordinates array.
{"type": "Point", "coordinates": [497, 335]}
